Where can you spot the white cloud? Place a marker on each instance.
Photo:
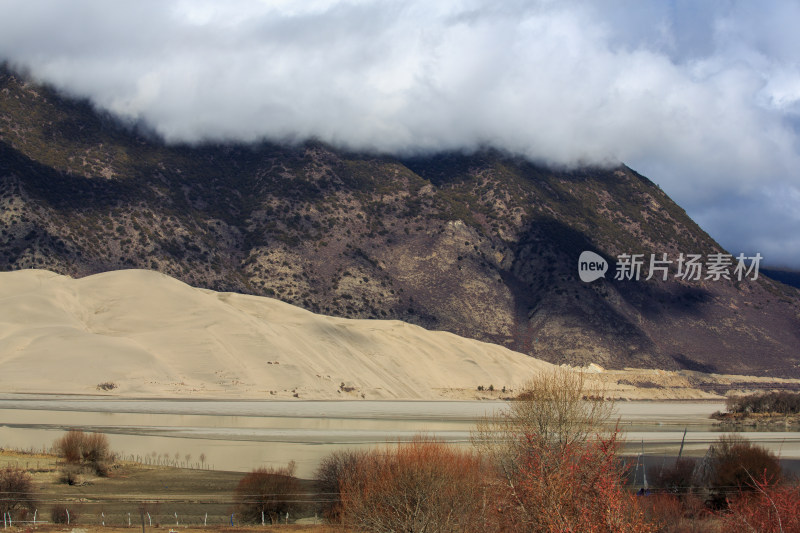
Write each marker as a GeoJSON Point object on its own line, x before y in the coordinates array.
{"type": "Point", "coordinates": [702, 98]}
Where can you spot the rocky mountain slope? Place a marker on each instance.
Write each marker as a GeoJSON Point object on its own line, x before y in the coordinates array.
{"type": "Point", "coordinates": [483, 245]}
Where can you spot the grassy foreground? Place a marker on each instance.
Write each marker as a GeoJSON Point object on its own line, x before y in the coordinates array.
{"type": "Point", "coordinates": [175, 498]}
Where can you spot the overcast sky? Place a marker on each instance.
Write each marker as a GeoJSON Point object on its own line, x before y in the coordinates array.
{"type": "Point", "coordinates": [701, 97]}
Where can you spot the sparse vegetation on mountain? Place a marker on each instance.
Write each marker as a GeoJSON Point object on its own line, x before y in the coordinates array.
{"type": "Point", "coordinates": [106, 386]}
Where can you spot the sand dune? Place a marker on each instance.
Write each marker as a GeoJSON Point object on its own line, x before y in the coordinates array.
{"type": "Point", "coordinates": [152, 335]}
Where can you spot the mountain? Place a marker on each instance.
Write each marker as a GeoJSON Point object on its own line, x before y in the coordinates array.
{"type": "Point", "coordinates": [484, 245]}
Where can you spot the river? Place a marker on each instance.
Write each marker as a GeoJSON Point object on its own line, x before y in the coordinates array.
{"type": "Point", "coordinates": [242, 435]}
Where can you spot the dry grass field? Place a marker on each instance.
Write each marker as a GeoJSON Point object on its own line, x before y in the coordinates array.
{"type": "Point", "coordinates": [175, 498]}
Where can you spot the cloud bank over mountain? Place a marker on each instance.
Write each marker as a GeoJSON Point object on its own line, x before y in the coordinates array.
{"type": "Point", "coordinates": [702, 98]}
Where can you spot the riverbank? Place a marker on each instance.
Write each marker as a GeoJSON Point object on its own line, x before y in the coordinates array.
{"type": "Point", "coordinates": [170, 497]}
{"type": "Point", "coordinates": [739, 421]}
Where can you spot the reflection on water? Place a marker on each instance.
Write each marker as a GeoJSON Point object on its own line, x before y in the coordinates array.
{"type": "Point", "coordinates": [242, 435]}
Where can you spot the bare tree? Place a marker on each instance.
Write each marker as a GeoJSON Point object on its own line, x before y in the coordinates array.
{"type": "Point", "coordinates": [16, 490]}
{"type": "Point", "coordinates": [557, 407]}
{"type": "Point", "coordinates": [85, 449]}
{"type": "Point", "coordinates": [329, 476]}
{"type": "Point", "coordinates": [556, 417]}
{"type": "Point", "coordinates": [69, 446]}
{"type": "Point", "coordinates": [268, 492]}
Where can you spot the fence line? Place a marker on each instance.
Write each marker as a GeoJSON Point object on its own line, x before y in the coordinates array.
{"type": "Point", "coordinates": [134, 517]}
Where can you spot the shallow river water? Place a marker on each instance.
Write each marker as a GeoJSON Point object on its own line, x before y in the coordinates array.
{"type": "Point", "coordinates": [242, 435]}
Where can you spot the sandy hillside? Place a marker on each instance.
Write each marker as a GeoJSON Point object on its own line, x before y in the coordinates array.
{"type": "Point", "coordinates": [152, 335]}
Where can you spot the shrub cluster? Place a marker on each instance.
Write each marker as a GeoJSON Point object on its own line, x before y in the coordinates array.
{"type": "Point", "coordinates": [267, 493]}
{"type": "Point", "coordinates": [570, 486]}
{"type": "Point", "coordinates": [730, 464]}
{"type": "Point", "coordinates": [551, 463]}
{"type": "Point", "coordinates": [331, 472]}
{"type": "Point", "coordinates": [61, 514]}
{"type": "Point", "coordinates": [734, 465]}
{"type": "Point", "coordinates": [769, 508]}
{"type": "Point", "coordinates": [422, 485]}
{"type": "Point", "coordinates": [547, 486]}
{"type": "Point", "coordinates": [785, 403]}
{"type": "Point", "coordinates": [16, 491]}
{"type": "Point", "coordinates": [545, 465]}
{"type": "Point", "coordinates": [85, 449]}
{"type": "Point", "coordinates": [675, 478]}
{"type": "Point", "coordinates": [425, 485]}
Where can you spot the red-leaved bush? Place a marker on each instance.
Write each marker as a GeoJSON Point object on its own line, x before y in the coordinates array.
{"type": "Point", "coordinates": [769, 508]}
{"type": "Point", "coordinates": [679, 513]}
{"type": "Point", "coordinates": [419, 486]}
{"type": "Point", "coordinates": [577, 486]}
